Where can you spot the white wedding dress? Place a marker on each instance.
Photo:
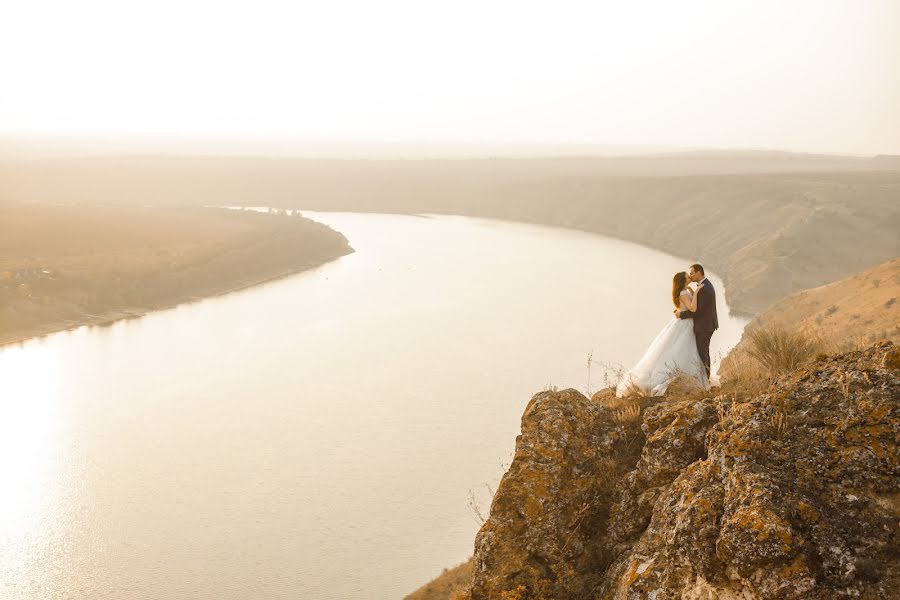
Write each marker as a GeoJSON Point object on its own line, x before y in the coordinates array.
{"type": "Point", "coordinates": [672, 352]}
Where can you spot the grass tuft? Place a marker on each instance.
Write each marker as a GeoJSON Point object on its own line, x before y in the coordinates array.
{"type": "Point", "coordinates": [780, 350]}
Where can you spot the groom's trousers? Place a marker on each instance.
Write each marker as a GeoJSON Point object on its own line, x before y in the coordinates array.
{"type": "Point", "coordinates": [703, 338]}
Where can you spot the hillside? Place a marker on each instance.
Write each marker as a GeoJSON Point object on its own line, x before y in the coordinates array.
{"type": "Point", "coordinates": [66, 266]}
{"type": "Point", "coordinates": [770, 224]}
{"type": "Point", "coordinates": [791, 493]}
{"type": "Point", "coordinates": [854, 311]}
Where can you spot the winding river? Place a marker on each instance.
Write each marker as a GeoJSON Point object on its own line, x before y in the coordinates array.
{"type": "Point", "coordinates": [320, 436]}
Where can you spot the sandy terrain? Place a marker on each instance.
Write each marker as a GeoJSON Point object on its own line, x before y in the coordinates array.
{"type": "Point", "coordinates": [66, 266]}
{"type": "Point", "coordinates": [770, 223]}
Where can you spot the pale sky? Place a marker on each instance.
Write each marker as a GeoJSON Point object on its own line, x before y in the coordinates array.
{"type": "Point", "coordinates": [805, 75]}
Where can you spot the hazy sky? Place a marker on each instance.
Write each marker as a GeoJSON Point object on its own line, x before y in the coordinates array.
{"type": "Point", "coordinates": [814, 75]}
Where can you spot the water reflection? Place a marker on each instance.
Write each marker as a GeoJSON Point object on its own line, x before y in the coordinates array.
{"type": "Point", "coordinates": [31, 459]}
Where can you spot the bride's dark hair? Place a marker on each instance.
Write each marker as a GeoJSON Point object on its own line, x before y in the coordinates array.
{"type": "Point", "coordinates": [679, 282]}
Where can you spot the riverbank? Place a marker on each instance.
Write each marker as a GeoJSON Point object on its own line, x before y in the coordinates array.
{"type": "Point", "coordinates": [64, 266]}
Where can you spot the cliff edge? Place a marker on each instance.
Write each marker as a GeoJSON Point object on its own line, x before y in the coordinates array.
{"type": "Point", "coordinates": [789, 493]}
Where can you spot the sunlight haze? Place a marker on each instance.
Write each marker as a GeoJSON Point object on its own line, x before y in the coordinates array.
{"type": "Point", "coordinates": [818, 76]}
{"type": "Point", "coordinates": [416, 300]}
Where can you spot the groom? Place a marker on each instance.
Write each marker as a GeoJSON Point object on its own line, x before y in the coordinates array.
{"type": "Point", "coordinates": [706, 321]}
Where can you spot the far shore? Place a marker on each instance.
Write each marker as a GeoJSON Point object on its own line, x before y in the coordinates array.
{"type": "Point", "coordinates": [64, 267]}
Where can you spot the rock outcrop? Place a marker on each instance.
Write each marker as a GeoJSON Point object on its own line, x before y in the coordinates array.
{"type": "Point", "coordinates": [792, 493]}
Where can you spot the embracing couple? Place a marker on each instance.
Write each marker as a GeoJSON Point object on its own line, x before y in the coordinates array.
{"type": "Point", "coordinates": [682, 347]}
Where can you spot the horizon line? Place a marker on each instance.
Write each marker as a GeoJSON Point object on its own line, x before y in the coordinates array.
{"type": "Point", "coordinates": [139, 144]}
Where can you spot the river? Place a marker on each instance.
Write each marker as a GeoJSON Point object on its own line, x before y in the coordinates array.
{"type": "Point", "coordinates": [320, 436]}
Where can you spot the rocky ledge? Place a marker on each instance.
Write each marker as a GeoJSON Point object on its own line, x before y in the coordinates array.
{"type": "Point", "coordinates": [791, 493]}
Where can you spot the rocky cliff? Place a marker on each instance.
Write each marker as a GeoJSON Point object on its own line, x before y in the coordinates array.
{"type": "Point", "coordinates": [789, 493]}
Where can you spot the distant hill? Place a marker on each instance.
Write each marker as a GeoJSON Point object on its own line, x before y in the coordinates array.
{"type": "Point", "coordinates": [887, 161]}
{"type": "Point", "coordinates": [33, 146]}
{"type": "Point", "coordinates": [769, 223]}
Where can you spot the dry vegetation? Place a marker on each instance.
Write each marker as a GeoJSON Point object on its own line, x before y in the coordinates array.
{"type": "Point", "coordinates": [449, 585]}
{"type": "Point", "coordinates": [779, 350]}
{"type": "Point", "coordinates": [845, 315]}
{"type": "Point", "coordinates": [65, 266]}
{"type": "Point", "coordinates": [858, 310]}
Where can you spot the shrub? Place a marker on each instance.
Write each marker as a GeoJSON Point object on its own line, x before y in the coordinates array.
{"type": "Point", "coordinates": [780, 350]}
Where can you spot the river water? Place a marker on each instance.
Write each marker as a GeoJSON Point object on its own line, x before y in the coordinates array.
{"type": "Point", "coordinates": [320, 436]}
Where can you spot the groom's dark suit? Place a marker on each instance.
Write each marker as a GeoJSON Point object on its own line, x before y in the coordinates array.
{"type": "Point", "coordinates": [705, 320]}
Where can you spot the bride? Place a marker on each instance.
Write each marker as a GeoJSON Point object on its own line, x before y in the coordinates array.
{"type": "Point", "coordinates": [673, 352]}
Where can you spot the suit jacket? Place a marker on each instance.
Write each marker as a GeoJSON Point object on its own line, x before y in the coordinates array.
{"type": "Point", "coordinates": [705, 317]}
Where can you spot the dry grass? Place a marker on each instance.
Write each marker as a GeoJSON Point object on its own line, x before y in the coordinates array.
{"type": "Point", "coordinates": [612, 374]}
{"type": "Point", "coordinates": [844, 382]}
{"type": "Point", "coordinates": [832, 319]}
{"type": "Point", "coordinates": [727, 407]}
{"type": "Point", "coordinates": [628, 415]}
{"type": "Point", "coordinates": [538, 589]}
{"type": "Point", "coordinates": [452, 584]}
{"type": "Point", "coordinates": [848, 314]}
{"type": "Point", "coordinates": [608, 399]}
{"type": "Point", "coordinates": [475, 506]}
{"type": "Point", "coordinates": [779, 418]}
{"type": "Point", "coordinates": [683, 385]}
{"type": "Point", "coordinates": [765, 353]}
{"type": "Point", "coordinates": [744, 376]}
{"type": "Point", "coordinates": [780, 350]}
